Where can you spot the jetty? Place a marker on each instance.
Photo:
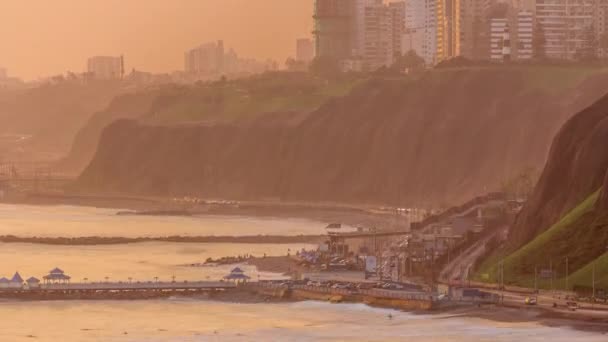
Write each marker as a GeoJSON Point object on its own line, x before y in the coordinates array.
{"type": "Point", "coordinates": [115, 290]}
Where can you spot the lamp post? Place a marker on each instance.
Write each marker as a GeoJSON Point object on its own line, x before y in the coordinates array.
{"type": "Point", "coordinates": [593, 277]}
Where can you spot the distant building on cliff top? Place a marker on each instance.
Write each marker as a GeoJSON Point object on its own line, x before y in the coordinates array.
{"type": "Point", "coordinates": [106, 67]}
{"type": "Point", "coordinates": [205, 58]}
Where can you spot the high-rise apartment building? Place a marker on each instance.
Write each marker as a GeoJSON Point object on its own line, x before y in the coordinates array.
{"type": "Point", "coordinates": [398, 9]}
{"type": "Point", "coordinates": [499, 40]}
{"type": "Point", "coordinates": [449, 28]}
{"type": "Point", "coordinates": [565, 25]}
{"type": "Point", "coordinates": [304, 50]}
{"type": "Point", "coordinates": [380, 31]}
{"type": "Point", "coordinates": [420, 29]}
{"type": "Point", "coordinates": [358, 25]}
{"type": "Point", "coordinates": [205, 59]}
{"type": "Point", "coordinates": [106, 67]}
{"type": "Point", "coordinates": [524, 36]}
{"type": "Point", "coordinates": [600, 23]}
{"type": "Point", "coordinates": [384, 26]}
{"type": "Point", "coordinates": [335, 28]}
{"type": "Point", "coordinates": [474, 27]}
{"type": "Point", "coordinates": [415, 25]}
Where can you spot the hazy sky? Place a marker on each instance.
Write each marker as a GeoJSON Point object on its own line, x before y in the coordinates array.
{"type": "Point", "coordinates": [44, 37]}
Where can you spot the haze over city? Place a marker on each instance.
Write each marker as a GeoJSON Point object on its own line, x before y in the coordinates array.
{"type": "Point", "coordinates": [304, 170]}
{"type": "Point", "coordinates": [43, 38]}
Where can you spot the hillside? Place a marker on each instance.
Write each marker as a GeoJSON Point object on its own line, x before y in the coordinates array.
{"type": "Point", "coordinates": [273, 95]}
{"type": "Point", "coordinates": [436, 140]}
{"type": "Point", "coordinates": [566, 217]}
{"type": "Point", "coordinates": [51, 114]}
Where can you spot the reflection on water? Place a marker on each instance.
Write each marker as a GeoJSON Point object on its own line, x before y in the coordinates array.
{"type": "Point", "coordinates": [68, 221]}
{"type": "Point", "coordinates": [140, 261]}
{"type": "Point", "coordinates": [191, 320]}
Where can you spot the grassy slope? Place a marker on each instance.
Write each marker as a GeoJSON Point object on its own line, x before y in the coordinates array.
{"type": "Point", "coordinates": [584, 276]}
{"type": "Point", "coordinates": [284, 92]}
{"type": "Point", "coordinates": [579, 236]}
{"type": "Point", "coordinates": [247, 98]}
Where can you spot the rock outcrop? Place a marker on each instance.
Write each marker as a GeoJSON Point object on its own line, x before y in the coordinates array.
{"type": "Point", "coordinates": [576, 168]}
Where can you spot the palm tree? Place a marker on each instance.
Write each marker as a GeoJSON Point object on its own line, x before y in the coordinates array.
{"type": "Point", "coordinates": [130, 280]}
{"type": "Point", "coordinates": [107, 278]}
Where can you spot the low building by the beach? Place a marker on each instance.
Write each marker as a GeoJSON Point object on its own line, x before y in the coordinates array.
{"type": "Point", "coordinates": [33, 282]}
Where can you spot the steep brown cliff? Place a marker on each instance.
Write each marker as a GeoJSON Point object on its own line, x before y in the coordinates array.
{"type": "Point", "coordinates": [439, 140]}
{"type": "Point", "coordinates": [603, 202]}
{"type": "Point", "coordinates": [576, 168]}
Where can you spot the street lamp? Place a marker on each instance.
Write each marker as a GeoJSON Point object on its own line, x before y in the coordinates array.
{"type": "Point", "coordinates": [593, 276]}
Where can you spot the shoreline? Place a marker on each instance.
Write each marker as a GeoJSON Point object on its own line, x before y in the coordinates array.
{"type": "Point", "coordinates": [97, 240]}
{"type": "Point", "coordinates": [160, 206]}
{"type": "Point", "coordinates": [488, 312]}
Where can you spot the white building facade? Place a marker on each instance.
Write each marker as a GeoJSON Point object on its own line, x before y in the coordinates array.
{"type": "Point", "coordinates": [564, 24]}
{"type": "Point", "coordinates": [499, 36]}
{"type": "Point", "coordinates": [524, 36]}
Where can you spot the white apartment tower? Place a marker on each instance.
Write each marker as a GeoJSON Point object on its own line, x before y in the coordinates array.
{"type": "Point", "coordinates": [499, 39]}
{"type": "Point", "coordinates": [420, 32]}
{"type": "Point", "coordinates": [379, 37]}
{"type": "Point", "coordinates": [415, 26]}
{"type": "Point", "coordinates": [565, 24]}
{"type": "Point", "coordinates": [524, 35]}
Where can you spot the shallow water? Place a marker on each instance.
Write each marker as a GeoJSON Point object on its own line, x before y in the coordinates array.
{"type": "Point", "coordinates": [191, 320]}
{"type": "Point", "coordinates": [196, 320]}
{"type": "Point", "coordinates": [140, 261]}
{"type": "Point", "coordinates": [70, 221]}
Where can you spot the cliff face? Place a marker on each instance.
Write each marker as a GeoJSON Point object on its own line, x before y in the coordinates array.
{"type": "Point", "coordinates": [577, 167]}
{"type": "Point", "coordinates": [603, 203]}
{"type": "Point", "coordinates": [439, 140]}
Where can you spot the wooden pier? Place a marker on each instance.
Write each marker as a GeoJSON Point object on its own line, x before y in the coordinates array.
{"type": "Point", "coordinates": [115, 290]}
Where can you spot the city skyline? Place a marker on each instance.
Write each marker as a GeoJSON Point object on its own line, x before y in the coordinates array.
{"type": "Point", "coordinates": [154, 40]}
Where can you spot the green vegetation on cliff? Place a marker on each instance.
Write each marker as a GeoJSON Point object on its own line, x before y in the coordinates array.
{"type": "Point", "coordinates": [578, 236]}
{"type": "Point", "coordinates": [225, 101]}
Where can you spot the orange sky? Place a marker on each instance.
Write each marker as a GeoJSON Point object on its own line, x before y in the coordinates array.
{"type": "Point", "coordinates": [45, 37]}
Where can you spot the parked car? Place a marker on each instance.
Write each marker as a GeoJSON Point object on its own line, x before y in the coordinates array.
{"type": "Point", "coordinates": [531, 301]}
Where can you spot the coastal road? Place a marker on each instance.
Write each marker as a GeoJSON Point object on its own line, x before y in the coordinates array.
{"type": "Point", "coordinates": [458, 269]}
